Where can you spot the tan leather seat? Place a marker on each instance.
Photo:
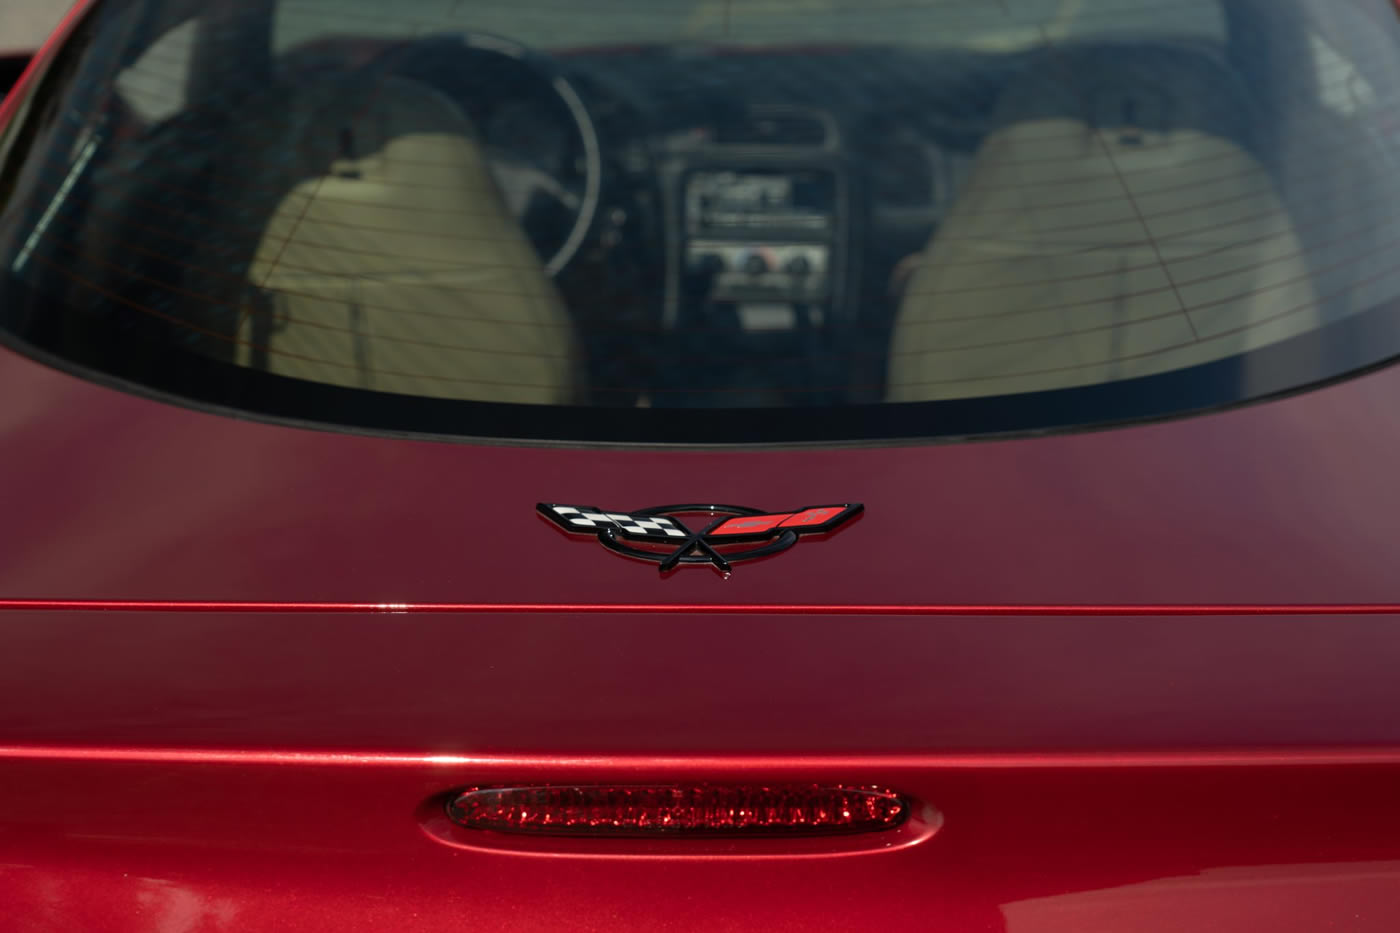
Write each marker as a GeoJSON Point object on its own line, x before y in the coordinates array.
{"type": "Point", "coordinates": [1076, 255]}
{"type": "Point", "coordinates": [400, 269]}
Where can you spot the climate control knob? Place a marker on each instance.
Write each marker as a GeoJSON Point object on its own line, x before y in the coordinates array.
{"type": "Point", "coordinates": [756, 264]}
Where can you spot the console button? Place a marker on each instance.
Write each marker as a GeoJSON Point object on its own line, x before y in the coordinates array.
{"type": "Point", "coordinates": [710, 264]}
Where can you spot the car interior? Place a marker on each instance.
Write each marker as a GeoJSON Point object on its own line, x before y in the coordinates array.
{"type": "Point", "coordinates": [458, 214]}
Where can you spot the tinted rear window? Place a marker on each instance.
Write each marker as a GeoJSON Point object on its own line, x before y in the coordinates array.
{"type": "Point", "coordinates": [700, 221]}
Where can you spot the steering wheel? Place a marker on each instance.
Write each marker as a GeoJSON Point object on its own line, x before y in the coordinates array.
{"type": "Point", "coordinates": [549, 166]}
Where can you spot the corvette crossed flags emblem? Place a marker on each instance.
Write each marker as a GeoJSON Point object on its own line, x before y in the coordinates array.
{"type": "Point", "coordinates": [638, 534]}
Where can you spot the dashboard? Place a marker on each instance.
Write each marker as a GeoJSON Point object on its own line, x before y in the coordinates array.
{"type": "Point", "coordinates": [749, 205]}
{"type": "Point", "coordinates": [760, 218]}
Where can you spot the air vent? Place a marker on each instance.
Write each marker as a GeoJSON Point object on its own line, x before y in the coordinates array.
{"type": "Point", "coordinates": [774, 128]}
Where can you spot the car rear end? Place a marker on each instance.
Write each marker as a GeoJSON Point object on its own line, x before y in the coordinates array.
{"type": "Point", "coordinates": [1105, 651]}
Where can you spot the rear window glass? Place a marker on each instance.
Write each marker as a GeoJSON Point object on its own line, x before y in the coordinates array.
{"type": "Point", "coordinates": [710, 221]}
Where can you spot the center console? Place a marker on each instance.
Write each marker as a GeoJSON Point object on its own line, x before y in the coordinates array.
{"type": "Point", "coordinates": [758, 229]}
{"type": "Point", "coordinates": [761, 234]}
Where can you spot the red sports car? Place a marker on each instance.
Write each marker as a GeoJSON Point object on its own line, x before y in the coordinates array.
{"type": "Point", "coordinates": [713, 465]}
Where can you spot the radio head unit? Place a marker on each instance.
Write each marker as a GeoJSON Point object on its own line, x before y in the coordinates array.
{"type": "Point", "coordinates": [720, 201]}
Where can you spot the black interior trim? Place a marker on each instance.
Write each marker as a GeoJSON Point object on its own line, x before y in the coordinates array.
{"type": "Point", "coordinates": [12, 65]}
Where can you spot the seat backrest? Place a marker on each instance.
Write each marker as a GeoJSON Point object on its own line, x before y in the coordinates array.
{"type": "Point", "coordinates": [1109, 229]}
{"type": "Point", "coordinates": [400, 269]}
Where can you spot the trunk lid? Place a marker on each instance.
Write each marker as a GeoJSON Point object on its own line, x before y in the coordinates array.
{"type": "Point", "coordinates": [113, 496]}
{"type": "Point", "coordinates": [336, 631]}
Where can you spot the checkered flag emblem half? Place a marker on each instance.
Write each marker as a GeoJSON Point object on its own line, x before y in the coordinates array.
{"type": "Point", "coordinates": [588, 518]}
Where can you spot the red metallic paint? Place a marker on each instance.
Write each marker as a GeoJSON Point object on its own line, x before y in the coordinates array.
{"type": "Point", "coordinates": [1226, 849]}
{"type": "Point", "coordinates": [283, 768]}
{"type": "Point", "coordinates": [1281, 503]}
{"type": "Point", "coordinates": [137, 605]}
{"type": "Point", "coordinates": [1146, 675]}
{"type": "Point", "coordinates": [560, 685]}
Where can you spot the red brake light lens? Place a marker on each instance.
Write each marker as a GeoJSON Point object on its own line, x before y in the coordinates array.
{"type": "Point", "coordinates": [701, 810]}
